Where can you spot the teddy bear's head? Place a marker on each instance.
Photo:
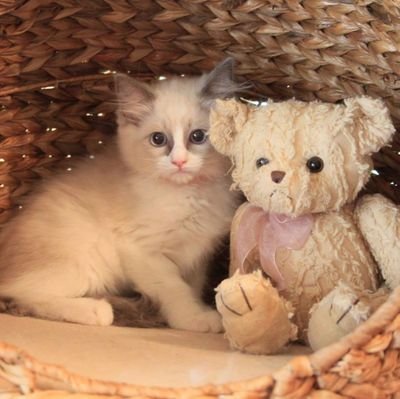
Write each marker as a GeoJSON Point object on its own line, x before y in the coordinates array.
{"type": "Point", "coordinates": [295, 157]}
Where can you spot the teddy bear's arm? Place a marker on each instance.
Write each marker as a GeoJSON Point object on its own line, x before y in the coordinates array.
{"type": "Point", "coordinates": [379, 221]}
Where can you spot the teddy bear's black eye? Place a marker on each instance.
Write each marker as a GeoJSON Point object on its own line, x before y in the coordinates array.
{"type": "Point", "coordinates": [315, 164]}
{"type": "Point", "coordinates": [261, 162]}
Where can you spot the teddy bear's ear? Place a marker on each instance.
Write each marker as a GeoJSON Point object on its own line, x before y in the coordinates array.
{"type": "Point", "coordinates": [226, 120]}
{"type": "Point", "coordinates": [374, 127]}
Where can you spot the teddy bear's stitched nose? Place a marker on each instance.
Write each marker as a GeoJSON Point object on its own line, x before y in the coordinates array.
{"type": "Point", "coordinates": [277, 176]}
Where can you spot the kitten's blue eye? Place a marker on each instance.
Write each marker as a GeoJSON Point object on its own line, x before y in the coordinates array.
{"type": "Point", "coordinates": [158, 139]}
{"type": "Point", "coordinates": [198, 136]}
{"type": "Point", "coordinates": [261, 162]}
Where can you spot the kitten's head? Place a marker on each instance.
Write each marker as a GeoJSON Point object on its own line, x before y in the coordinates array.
{"type": "Point", "coordinates": [162, 127]}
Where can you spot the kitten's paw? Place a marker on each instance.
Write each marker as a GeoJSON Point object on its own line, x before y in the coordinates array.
{"type": "Point", "coordinates": [100, 313]}
{"type": "Point", "coordinates": [203, 321]}
{"type": "Point", "coordinates": [208, 321]}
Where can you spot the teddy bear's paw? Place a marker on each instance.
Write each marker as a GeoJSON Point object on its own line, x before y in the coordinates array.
{"type": "Point", "coordinates": [206, 320]}
{"type": "Point", "coordinates": [379, 221]}
{"type": "Point", "coordinates": [337, 314]}
{"type": "Point", "coordinates": [243, 293]}
{"type": "Point", "coordinates": [236, 301]}
{"type": "Point", "coordinates": [255, 317]}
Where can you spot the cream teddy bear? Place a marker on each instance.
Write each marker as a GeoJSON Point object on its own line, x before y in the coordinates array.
{"type": "Point", "coordinates": [302, 244]}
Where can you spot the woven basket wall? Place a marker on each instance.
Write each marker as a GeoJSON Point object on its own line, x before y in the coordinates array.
{"type": "Point", "coordinates": [56, 104]}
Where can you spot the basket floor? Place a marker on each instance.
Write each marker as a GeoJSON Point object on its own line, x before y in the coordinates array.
{"type": "Point", "coordinates": [138, 356]}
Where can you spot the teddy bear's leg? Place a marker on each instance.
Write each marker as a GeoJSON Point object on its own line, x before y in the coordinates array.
{"type": "Point", "coordinates": [379, 221]}
{"type": "Point", "coordinates": [255, 317]}
{"type": "Point", "coordinates": [340, 312]}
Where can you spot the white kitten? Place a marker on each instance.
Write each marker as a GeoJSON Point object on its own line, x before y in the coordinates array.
{"type": "Point", "coordinates": [146, 214]}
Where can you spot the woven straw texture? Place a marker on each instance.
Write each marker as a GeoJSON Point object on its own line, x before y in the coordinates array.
{"type": "Point", "coordinates": [56, 104]}
{"type": "Point", "coordinates": [56, 59]}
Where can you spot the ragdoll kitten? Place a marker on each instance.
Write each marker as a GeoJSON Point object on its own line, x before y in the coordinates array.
{"type": "Point", "coordinates": [144, 215]}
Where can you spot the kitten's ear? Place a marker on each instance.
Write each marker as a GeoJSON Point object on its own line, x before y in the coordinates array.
{"type": "Point", "coordinates": [134, 99]}
{"type": "Point", "coordinates": [227, 118]}
{"type": "Point", "coordinates": [219, 83]}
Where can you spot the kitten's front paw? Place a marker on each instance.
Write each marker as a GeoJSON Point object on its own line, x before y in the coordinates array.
{"type": "Point", "coordinates": [207, 321]}
{"type": "Point", "coordinates": [203, 321]}
{"type": "Point", "coordinates": [101, 314]}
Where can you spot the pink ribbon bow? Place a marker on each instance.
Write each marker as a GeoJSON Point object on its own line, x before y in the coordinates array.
{"type": "Point", "coordinates": [270, 231]}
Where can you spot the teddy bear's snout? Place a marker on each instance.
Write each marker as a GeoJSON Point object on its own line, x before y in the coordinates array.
{"type": "Point", "coordinates": [277, 176]}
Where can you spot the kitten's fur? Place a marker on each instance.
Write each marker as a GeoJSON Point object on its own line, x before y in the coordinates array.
{"type": "Point", "coordinates": [129, 218]}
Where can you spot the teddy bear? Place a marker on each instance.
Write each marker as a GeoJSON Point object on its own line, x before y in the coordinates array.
{"type": "Point", "coordinates": [308, 253]}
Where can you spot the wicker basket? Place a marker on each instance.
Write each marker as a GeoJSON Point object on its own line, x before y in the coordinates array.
{"type": "Point", "coordinates": [56, 64]}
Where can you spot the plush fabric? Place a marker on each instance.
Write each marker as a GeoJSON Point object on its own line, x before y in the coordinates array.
{"type": "Point", "coordinates": [296, 160]}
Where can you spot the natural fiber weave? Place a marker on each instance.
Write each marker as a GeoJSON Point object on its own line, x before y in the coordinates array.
{"type": "Point", "coordinates": [56, 57]}
{"type": "Point", "coordinates": [56, 103]}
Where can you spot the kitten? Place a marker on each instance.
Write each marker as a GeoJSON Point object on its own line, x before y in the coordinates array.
{"type": "Point", "coordinates": [145, 215]}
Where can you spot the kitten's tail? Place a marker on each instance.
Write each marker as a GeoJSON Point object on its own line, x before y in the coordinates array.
{"type": "Point", "coordinates": [138, 311]}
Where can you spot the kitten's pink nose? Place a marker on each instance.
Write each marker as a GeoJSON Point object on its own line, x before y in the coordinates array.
{"type": "Point", "coordinates": [179, 162]}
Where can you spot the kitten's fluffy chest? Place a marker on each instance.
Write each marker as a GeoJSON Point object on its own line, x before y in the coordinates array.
{"type": "Point", "coordinates": [173, 219]}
